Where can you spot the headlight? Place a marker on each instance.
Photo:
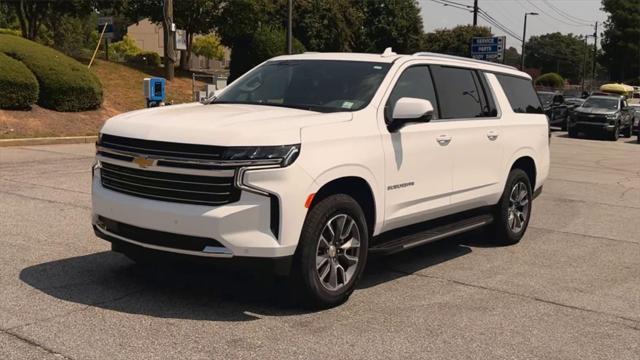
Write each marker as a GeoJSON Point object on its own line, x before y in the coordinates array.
{"type": "Point", "coordinates": [612, 116]}
{"type": "Point", "coordinates": [283, 155]}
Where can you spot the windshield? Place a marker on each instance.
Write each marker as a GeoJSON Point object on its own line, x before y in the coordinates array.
{"type": "Point", "coordinates": [602, 103]}
{"type": "Point", "coordinates": [546, 98]}
{"type": "Point", "coordinates": [317, 85]}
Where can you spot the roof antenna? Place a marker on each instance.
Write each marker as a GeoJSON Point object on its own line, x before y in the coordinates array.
{"type": "Point", "coordinates": [388, 52]}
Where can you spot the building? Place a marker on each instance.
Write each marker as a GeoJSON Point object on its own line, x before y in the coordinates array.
{"type": "Point", "coordinates": [148, 36]}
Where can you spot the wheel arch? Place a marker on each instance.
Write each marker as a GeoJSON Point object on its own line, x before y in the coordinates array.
{"type": "Point", "coordinates": [528, 165]}
{"type": "Point", "coordinates": [356, 187]}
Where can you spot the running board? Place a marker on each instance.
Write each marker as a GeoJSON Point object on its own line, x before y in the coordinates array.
{"type": "Point", "coordinates": [399, 240]}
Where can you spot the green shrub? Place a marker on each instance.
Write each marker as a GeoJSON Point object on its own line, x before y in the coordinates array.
{"type": "Point", "coordinates": [9, 31]}
{"type": "Point", "coordinates": [553, 80]}
{"type": "Point", "coordinates": [65, 84]}
{"type": "Point", "coordinates": [122, 50]}
{"type": "Point", "coordinates": [18, 86]}
{"type": "Point", "coordinates": [145, 58]}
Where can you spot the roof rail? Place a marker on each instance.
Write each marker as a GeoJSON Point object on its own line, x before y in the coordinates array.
{"type": "Point", "coordinates": [453, 57]}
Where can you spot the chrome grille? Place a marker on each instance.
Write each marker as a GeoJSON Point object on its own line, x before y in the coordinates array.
{"type": "Point", "coordinates": [173, 187]}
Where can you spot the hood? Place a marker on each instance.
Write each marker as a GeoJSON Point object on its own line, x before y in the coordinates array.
{"type": "Point", "coordinates": [595, 111]}
{"type": "Point", "coordinates": [219, 124]}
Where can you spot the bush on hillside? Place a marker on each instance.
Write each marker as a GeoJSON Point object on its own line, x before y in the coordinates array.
{"type": "Point", "coordinates": [122, 50]}
{"type": "Point", "coordinates": [18, 86]}
{"type": "Point", "coordinates": [145, 58]}
{"type": "Point", "coordinates": [553, 80]}
{"type": "Point", "coordinates": [65, 84]}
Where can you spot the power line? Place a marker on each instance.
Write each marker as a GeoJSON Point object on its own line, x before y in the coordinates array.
{"type": "Point", "coordinates": [483, 14]}
{"type": "Point", "coordinates": [568, 16]}
{"type": "Point", "coordinates": [554, 18]}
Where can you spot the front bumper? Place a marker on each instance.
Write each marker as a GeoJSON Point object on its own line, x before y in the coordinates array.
{"type": "Point", "coordinates": [591, 126]}
{"type": "Point", "coordinates": [243, 228]}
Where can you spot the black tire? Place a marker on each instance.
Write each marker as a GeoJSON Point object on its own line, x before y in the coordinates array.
{"type": "Point", "coordinates": [565, 124]}
{"type": "Point", "coordinates": [501, 231]}
{"type": "Point", "coordinates": [615, 134]}
{"type": "Point", "coordinates": [573, 133]}
{"type": "Point", "coordinates": [305, 275]}
{"type": "Point", "coordinates": [628, 132]}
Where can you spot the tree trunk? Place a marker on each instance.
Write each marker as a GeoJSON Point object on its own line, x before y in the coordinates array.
{"type": "Point", "coordinates": [188, 52]}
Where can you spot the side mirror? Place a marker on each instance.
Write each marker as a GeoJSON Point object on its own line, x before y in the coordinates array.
{"type": "Point", "coordinates": [410, 110]}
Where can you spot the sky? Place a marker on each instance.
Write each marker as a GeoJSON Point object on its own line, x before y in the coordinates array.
{"type": "Point", "coordinates": [565, 16]}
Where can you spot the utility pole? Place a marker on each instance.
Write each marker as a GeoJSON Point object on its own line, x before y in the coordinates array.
{"type": "Point", "coordinates": [289, 28]}
{"type": "Point", "coordinates": [475, 12]}
{"type": "Point", "coordinates": [524, 38]}
{"type": "Point", "coordinates": [584, 63]}
{"type": "Point", "coordinates": [169, 39]}
{"type": "Point", "coordinates": [595, 51]}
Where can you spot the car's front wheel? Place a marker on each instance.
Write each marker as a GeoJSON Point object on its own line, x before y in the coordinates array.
{"type": "Point", "coordinates": [615, 134]}
{"type": "Point", "coordinates": [513, 211]}
{"type": "Point", "coordinates": [332, 251]}
{"type": "Point", "coordinates": [628, 132]}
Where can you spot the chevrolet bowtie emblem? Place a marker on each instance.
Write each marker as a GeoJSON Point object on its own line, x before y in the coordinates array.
{"type": "Point", "coordinates": [143, 162]}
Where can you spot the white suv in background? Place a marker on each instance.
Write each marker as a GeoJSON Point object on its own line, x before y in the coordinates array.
{"type": "Point", "coordinates": [314, 161]}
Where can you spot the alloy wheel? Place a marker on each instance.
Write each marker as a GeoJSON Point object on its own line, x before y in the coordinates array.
{"type": "Point", "coordinates": [338, 252]}
{"type": "Point", "coordinates": [518, 211]}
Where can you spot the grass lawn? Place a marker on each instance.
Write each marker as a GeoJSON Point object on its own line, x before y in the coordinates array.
{"type": "Point", "coordinates": [122, 87]}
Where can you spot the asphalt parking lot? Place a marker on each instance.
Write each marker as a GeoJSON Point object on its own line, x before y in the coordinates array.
{"type": "Point", "coordinates": [569, 290]}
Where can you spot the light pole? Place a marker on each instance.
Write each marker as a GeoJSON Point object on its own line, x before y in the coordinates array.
{"type": "Point", "coordinates": [290, 28]}
{"type": "Point", "coordinates": [524, 38]}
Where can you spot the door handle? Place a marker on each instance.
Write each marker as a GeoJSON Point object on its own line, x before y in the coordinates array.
{"type": "Point", "coordinates": [492, 135]}
{"type": "Point", "coordinates": [443, 140]}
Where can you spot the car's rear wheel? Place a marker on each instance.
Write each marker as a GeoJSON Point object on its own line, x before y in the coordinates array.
{"type": "Point", "coordinates": [332, 251]}
{"type": "Point", "coordinates": [513, 211]}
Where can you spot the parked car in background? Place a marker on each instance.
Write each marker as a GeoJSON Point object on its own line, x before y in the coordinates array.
{"type": "Point", "coordinates": [573, 102]}
{"type": "Point", "coordinates": [635, 109]}
{"type": "Point", "coordinates": [555, 108]}
{"type": "Point", "coordinates": [607, 115]}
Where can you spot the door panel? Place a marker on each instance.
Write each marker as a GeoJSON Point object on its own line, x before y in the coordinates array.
{"type": "Point", "coordinates": [418, 174]}
{"type": "Point", "coordinates": [477, 154]}
{"type": "Point", "coordinates": [418, 163]}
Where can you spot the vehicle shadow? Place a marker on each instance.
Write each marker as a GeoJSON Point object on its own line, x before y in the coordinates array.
{"type": "Point", "coordinates": [213, 293]}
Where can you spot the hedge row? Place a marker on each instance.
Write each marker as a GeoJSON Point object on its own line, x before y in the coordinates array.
{"type": "Point", "coordinates": [18, 86]}
{"type": "Point", "coordinates": [65, 84]}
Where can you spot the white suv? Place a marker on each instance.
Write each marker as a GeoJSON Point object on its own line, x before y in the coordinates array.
{"type": "Point", "coordinates": [313, 161]}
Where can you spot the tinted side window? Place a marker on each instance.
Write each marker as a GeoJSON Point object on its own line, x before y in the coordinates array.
{"type": "Point", "coordinates": [414, 82]}
{"type": "Point", "coordinates": [459, 93]}
{"type": "Point", "coordinates": [519, 91]}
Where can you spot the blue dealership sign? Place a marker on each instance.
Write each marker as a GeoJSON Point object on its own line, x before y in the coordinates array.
{"type": "Point", "coordinates": [488, 48]}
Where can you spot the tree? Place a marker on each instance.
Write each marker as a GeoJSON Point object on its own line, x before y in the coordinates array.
{"type": "Point", "coordinates": [192, 16]}
{"type": "Point", "coordinates": [265, 43]}
{"type": "Point", "coordinates": [560, 53]}
{"type": "Point", "coordinates": [395, 23]}
{"type": "Point", "coordinates": [512, 56]}
{"type": "Point", "coordinates": [329, 25]}
{"type": "Point", "coordinates": [621, 41]}
{"type": "Point", "coordinates": [456, 41]}
{"type": "Point", "coordinates": [33, 14]}
{"type": "Point", "coordinates": [208, 46]}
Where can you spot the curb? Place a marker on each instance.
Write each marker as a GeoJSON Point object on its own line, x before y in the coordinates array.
{"type": "Point", "coordinates": [48, 141]}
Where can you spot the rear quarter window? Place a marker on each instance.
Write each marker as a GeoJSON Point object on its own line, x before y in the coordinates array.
{"type": "Point", "coordinates": [520, 93]}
